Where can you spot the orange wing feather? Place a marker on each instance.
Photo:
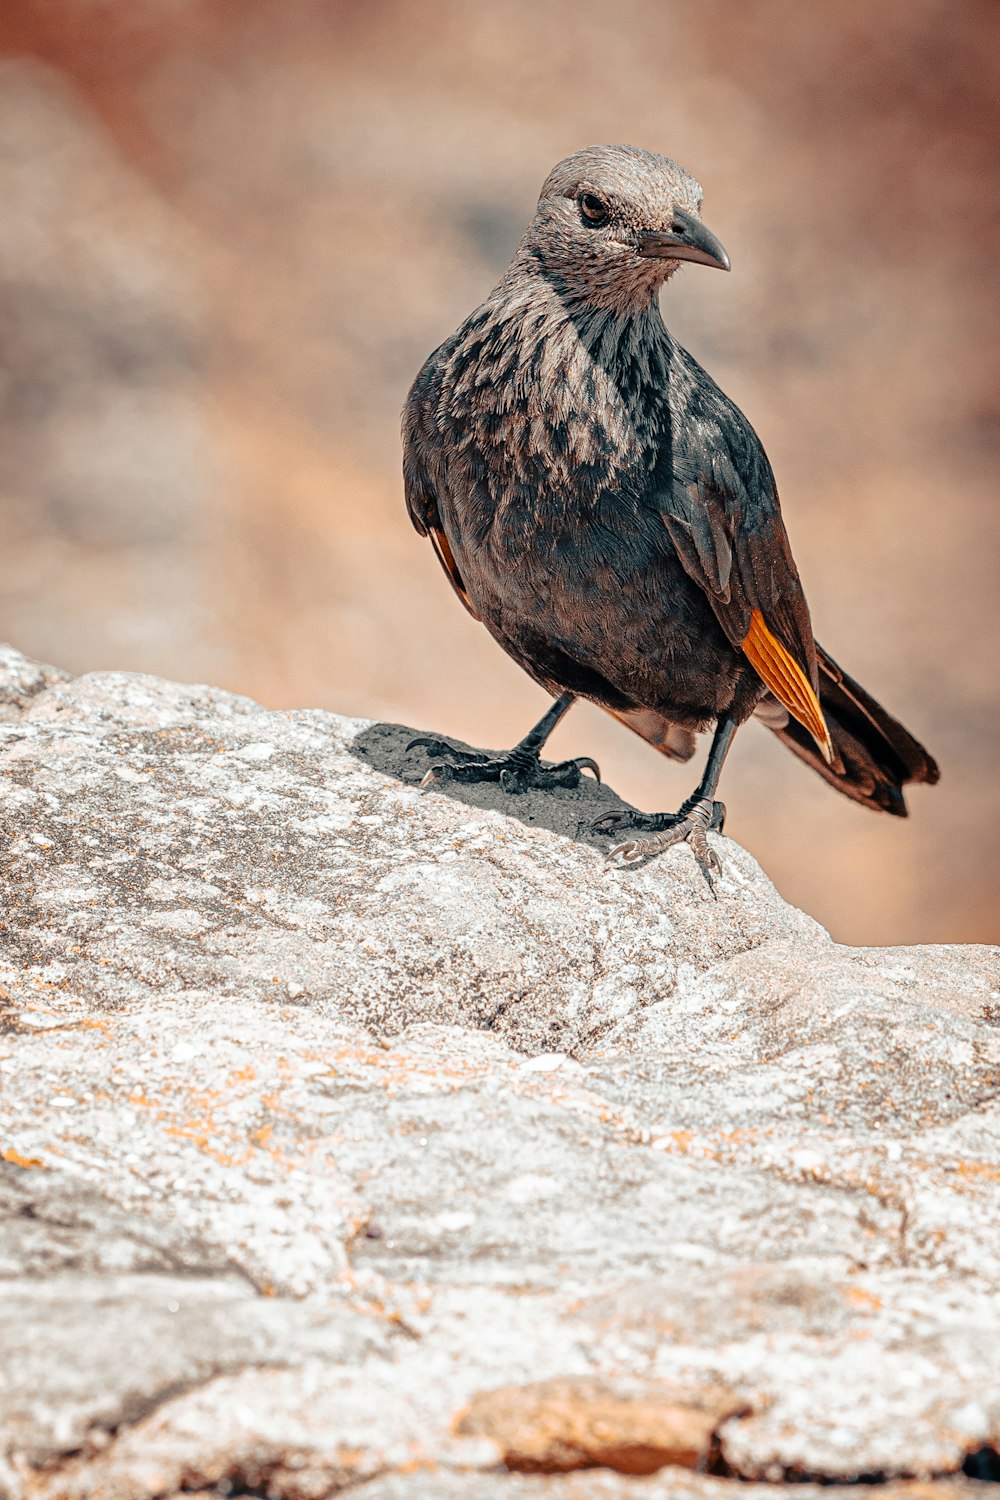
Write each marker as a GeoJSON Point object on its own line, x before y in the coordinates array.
{"type": "Point", "coordinates": [787, 681]}
{"type": "Point", "coordinates": [446, 558]}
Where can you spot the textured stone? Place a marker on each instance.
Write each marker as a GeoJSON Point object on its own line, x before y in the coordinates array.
{"type": "Point", "coordinates": [84, 1355]}
{"type": "Point", "coordinates": [328, 1108]}
{"type": "Point", "coordinates": [675, 1484]}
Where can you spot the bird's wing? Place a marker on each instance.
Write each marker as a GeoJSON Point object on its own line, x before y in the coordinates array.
{"type": "Point", "coordinates": [672, 740]}
{"type": "Point", "coordinates": [716, 493]}
{"type": "Point", "coordinates": [418, 487]}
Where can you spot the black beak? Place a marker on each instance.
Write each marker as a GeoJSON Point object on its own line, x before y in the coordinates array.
{"type": "Point", "coordinates": [686, 239]}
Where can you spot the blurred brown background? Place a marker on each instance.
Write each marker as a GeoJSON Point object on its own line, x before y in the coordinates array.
{"type": "Point", "coordinates": [232, 229]}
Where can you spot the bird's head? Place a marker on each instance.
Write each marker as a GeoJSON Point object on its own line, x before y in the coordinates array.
{"type": "Point", "coordinates": [613, 222]}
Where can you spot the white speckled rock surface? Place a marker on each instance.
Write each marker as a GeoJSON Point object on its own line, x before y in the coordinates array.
{"type": "Point", "coordinates": [327, 1106]}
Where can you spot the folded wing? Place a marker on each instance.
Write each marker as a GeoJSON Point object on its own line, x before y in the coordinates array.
{"type": "Point", "coordinates": [717, 497]}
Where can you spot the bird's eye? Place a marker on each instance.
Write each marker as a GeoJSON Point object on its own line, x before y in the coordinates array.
{"type": "Point", "coordinates": [594, 210]}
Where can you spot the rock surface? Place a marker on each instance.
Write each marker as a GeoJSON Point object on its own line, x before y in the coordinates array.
{"type": "Point", "coordinates": [348, 1131]}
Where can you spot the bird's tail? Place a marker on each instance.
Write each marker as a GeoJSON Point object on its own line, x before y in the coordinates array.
{"type": "Point", "coordinates": [875, 755]}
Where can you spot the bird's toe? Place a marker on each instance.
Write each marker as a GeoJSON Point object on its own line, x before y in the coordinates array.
{"type": "Point", "coordinates": [688, 827]}
{"type": "Point", "coordinates": [567, 773]}
{"type": "Point", "coordinates": [629, 817]}
{"type": "Point", "coordinates": [435, 746]}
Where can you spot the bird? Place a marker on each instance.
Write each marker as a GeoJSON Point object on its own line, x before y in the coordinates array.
{"type": "Point", "coordinates": [612, 519]}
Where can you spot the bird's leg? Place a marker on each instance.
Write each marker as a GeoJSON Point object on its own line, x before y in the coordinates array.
{"type": "Point", "coordinates": [689, 824]}
{"type": "Point", "coordinates": [516, 771]}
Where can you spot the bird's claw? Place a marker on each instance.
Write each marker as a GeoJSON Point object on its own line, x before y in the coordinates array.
{"type": "Point", "coordinates": [462, 765]}
{"type": "Point", "coordinates": [584, 763]}
{"type": "Point", "coordinates": [466, 770]}
{"type": "Point", "coordinates": [566, 774]}
{"type": "Point", "coordinates": [627, 817]}
{"type": "Point", "coordinates": [441, 747]}
{"type": "Point", "coordinates": [689, 827]}
{"type": "Point", "coordinates": [516, 772]}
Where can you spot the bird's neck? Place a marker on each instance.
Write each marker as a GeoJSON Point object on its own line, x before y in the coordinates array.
{"type": "Point", "coordinates": [620, 337]}
{"type": "Point", "coordinates": [620, 341]}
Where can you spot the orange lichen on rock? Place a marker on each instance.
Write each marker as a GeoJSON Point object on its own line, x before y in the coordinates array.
{"type": "Point", "coordinates": [15, 1158]}
{"type": "Point", "coordinates": [862, 1298]}
{"type": "Point", "coordinates": [556, 1426]}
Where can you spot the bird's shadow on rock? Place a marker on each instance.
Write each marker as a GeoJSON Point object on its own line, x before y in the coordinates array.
{"type": "Point", "coordinates": [566, 811]}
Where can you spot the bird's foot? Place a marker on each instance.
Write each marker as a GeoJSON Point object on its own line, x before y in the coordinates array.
{"type": "Point", "coordinates": [696, 817]}
{"type": "Point", "coordinates": [517, 771]}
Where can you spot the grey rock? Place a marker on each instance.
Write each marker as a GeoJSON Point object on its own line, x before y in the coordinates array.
{"type": "Point", "coordinates": [327, 1105]}
{"type": "Point", "coordinates": [679, 1485]}
{"type": "Point", "coordinates": [21, 679]}
{"type": "Point", "coordinates": [85, 1355]}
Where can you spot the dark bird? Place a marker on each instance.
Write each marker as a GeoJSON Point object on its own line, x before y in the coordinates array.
{"type": "Point", "coordinates": [611, 516]}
